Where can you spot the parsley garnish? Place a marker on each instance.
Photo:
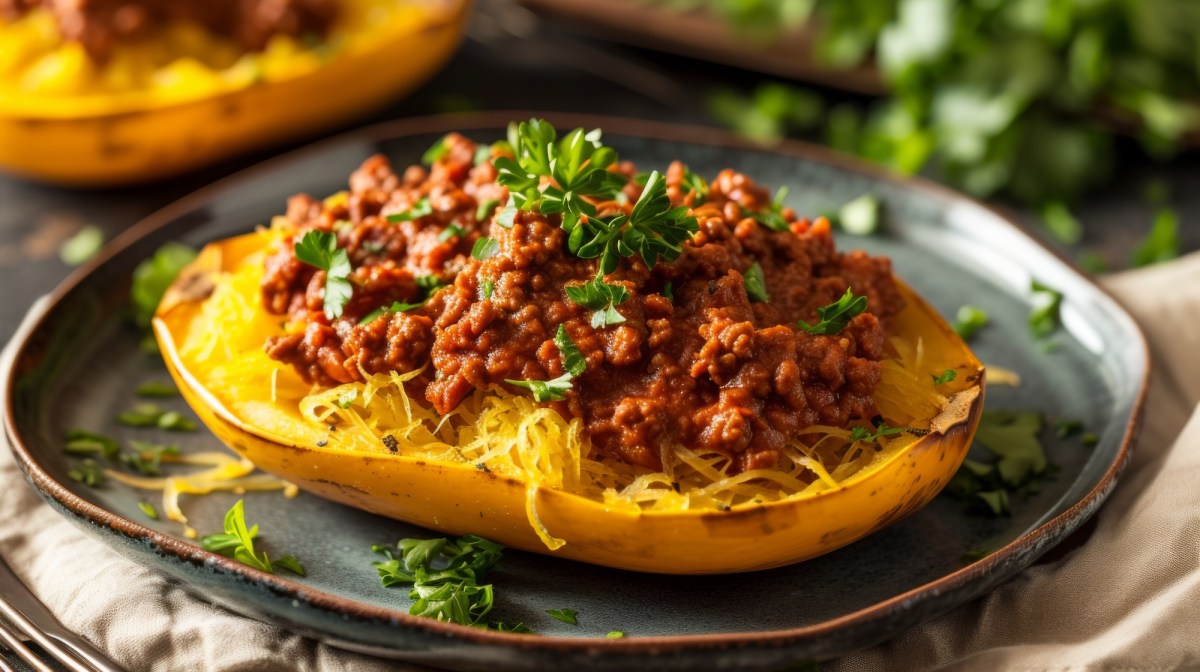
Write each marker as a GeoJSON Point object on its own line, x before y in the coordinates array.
{"type": "Point", "coordinates": [1065, 428]}
{"type": "Point", "coordinates": [1013, 438]}
{"type": "Point", "coordinates": [153, 276]}
{"type": "Point", "coordinates": [445, 577]}
{"type": "Point", "coordinates": [694, 184]}
{"type": "Point", "coordinates": [772, 217]}
{"type": "Point", "coordinates": [82, 442]}
{"type": "Point", "coordinates": [418, 210]}
{"type": "Point", "coordinates": [451, 231]}
{"type": "Point", "coordinates": [485, 248]}
{"type": "Point", "coordinates": [756, 284]}
{"type": "Point", "coordinates": [518, 629]}
{"type": "Point", "coordinates": [601, 297]}
{"type": "Point", "coordinates": [150, 415]}
{"type": "Point", "coordinates": [1044, 318]}
{"type": "Point", "coordinates": [556, 389]}
{"type": "Point", "coordinates": [436, 151]}
{"type": "Point", "coordinates": [573, 360]}
{"type": "Point", "coordinates": [614, 634]}
{"type": "Point", "coordinates": [565, 615]}
{"type": "Point", "coordinates": [835, 316]}
{"type": "Point", "coordinates": [159, 390]}
{"type": "Point", "coordinates": [82, 246]}
{"type": "Point", "coordinates": [968, 321]}
{"type": "Point", "coordinates": [88, 472]}
{"type": "Point", "coordinates": [319, 249]}
{"type": "Point", "coordinates": [508, 215]}
{"type": "Point", "coordinates": [655, 229]}
{"type": "Point", "coordinates": [148, 509]}
{"type": "Point", "coordinates": [237, 542]}
{"type": "Point", "coordinates": [486, 289]}
{"type": "Point", "coordinates": [669, 292]}
{"type": "Point", "coordinates": [147, 458]}
{"type": "Point", "coordinates": [947, 376]}
{"type": "Point", "coordinates": [396, 307]}
{"type": "Point", "coordinates": [577, 163]}
{"type": "Point", "coordinates": [860, 217]}
{"type": "Point", "coordinates": [1161, 242]}
{"type": "Point", "coordinates": [485, 209]}
{"type": "Point", "coordinates": [859, 433]}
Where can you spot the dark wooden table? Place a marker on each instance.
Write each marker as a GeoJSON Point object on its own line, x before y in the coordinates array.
{"type": "Point", "coordinates": [530, 66]}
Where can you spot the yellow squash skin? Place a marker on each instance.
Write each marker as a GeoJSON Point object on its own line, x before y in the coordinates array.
{"type": "Point", "coordinates": [98, 143]}
{"type": "Point", "coordinates": [459, 499]}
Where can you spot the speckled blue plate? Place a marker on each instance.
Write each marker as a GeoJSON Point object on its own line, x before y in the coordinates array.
{"type": "Point", "coordinates": [78, 364]}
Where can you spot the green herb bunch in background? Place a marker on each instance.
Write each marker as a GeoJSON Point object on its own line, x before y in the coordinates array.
{"type": "Point", "coordinates": [1021, 98]}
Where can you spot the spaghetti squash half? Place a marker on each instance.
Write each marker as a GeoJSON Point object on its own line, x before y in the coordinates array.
{"type": "Point", "coordinates": [688, 423]}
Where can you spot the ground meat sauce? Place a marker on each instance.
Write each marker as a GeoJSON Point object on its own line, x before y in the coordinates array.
{"type": "Point", "coordinates": [710, 369]}
{"type": "Point", "coordinates": [99, 24]}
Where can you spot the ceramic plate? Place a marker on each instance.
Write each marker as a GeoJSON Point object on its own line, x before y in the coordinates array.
{"type": "Point", "coordinates": [79, 362]}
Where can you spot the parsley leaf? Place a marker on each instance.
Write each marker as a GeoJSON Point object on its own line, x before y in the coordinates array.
{"type": "Point", "coordinates": [614, 634]}
{"type": "Point", "coordinates": [694, 184]}
{"type": "Point", "coordinates": [445, 576]}
{"type": "Point", "coordinates": [451, 231]}
{"type": "Point", "coordinates": [772, 217]}
{"type": "Point", "coordinates": [146, 414]}
{"type": "Point", "coordinates": [860, 217]}
{"type": "Point", "coordinates": [519, 628]}
{"type": "Point", "coordinates": [396, 307]}
{"type": "Point", "coordinates": [573, 360]}
{"type": "Point", "coordinates": [1162, 241]}
{"type": "Point", "coordinates": [655, 229]}
{"type": "Point", "coordinates": [835, 316]}
{"type": "Point", "coordinates": [88, 472]}
{"type": "Point", "coordinates": [153, 276]}
{"type": "Point", "coordinates": [485, 209]}
{"type": "Point", "coordinates": [485, 248]}
{"type": "Point", "coordinates": [436, 151]}
{"type": "Point", "coordinates": [422, 208]}
{"type": "Point", "coordinates": [148, 509]}
{"type": "Point", "coordinates": [669, 292]}
{"type": "Point", "coordinates": [947, 376]}
{"type": "Point", "coordinates": [82, 246]}
{"type": "Point", "coordinates": [859, 433]}
{"type": "Point", "coordinates": [486, 289]}
{"type": "Point", "coordinates": [968, 321]}
{"type": "Point", "coordinates": [554, 389]}
{"type": "Point", "coordinates": [756, 284]}
{"type": "Point", "coordinates": [237, 542]}
{"type": "Point", "coordinates": [147, 457]}
{"type": "Point", "coordinates": [601, 297]}
{"type": "Point", "coordinates": [565, 615]}
{"type": "Point", "coordinates": [155, 389]}
{"type": "Point", "coordinates": [319, 249]}
{"type": "Point", "coordinates": [83, 442]}
{"type": "Point", "coordinates": [1044, 318]}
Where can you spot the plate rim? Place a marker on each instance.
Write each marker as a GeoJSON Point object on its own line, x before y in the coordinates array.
{"type": "Point", "coordinates": [1071, 517]}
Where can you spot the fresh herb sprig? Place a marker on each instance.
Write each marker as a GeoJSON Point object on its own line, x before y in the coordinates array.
{"type": "Point", "coordinates": [445, 577]}
{"type": "Point", "coordinates": [237, 542]}
{"type": "Point", "coordinates": [601, 297]}
{"type": "Point", "coordinates": [320, 249]}
{"type": "Point", "coordinates": [556, 389]}
{"type": "Point", "coordinates": [835, 316]}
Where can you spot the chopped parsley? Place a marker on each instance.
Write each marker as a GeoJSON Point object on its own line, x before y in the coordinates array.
{"type": "Point", "coordinates": [435, 152]}
{"type": "Point", "coordinates": [614, 634]}
{"type": "Point", "coordinates": [148, 509]}
{"type": "Point", "coordinates": [88, 472]}
{"type": "Point", "coordinates": [653, 230]}
{"type": "Point", "coordinates": [860, 217]}
{"type": "Point", "coordinates": [508, 215]}
{"type": "Point", "coordinates": [320, 249]}
{"type": "Point", "coordinates": [1061, 224]}
{"type": "Point", "coordinates": [669, 292]}
{"type": "Point", "coordinates": [157, 390]}
{"type": "Point", "coordinates": [573, 360]}
{"type": "Point", "coordinates": [518, 629]}
{"type": "Point", "coordinates": [602, 298]}
{"type": "Point", "coordinates": [1161, 242]}
{"type": "Point", "coordinates": [554, 389]}
{"type": "Point", "coordinates": [859, 433]}
{"type": "Point", "coordinates": [1012, 437]}
{"type": "Point", "coordinates": [1047, 304]}
{"type": "Point", "coordinates": [835, 316]}
{"type": "Point", "coordinates": [396, 307]}
{"type": "Point", "coordinates": [772, 217]}
{"type": "Point", "coordinates": [147, 457]}
{"type": "Point", "coordinates": [486, 289]}
{"type": "Point", "coordinates": [565, 615]}
{"type": "Point", "coordinates": [947, 376]}
{"type": "Point", "coordinates": [445, 577]}
{"type": "Point", "coordinates": [82, 246]}
{"type": "Point", "coordinates": [485, 248]}
{"type": "Point", "coordinates": [237, 542]}
{"type": "Point", "coordinates": [756, 284]}
{"type": "Point", "coordinates": [694, 184]}
{"type": "Point", "coordinates": [153, 276]}
{"type": "Point", "coordinates": [485, 209]}
{"type": "Point", "coordinates": [1091, 439]}
{"type": "Point", "coordinates": [1065, 428]}
{"type": "Point", "coordinates": [146, 414]}
{"type": "Point", "coordinates": [421, 208]}
{"type": "Point", "coordinates": [84, 443]}
{"type": "Point", "coordinates": [968, 321]}
{"type": "Point", "coordinates": [451, 231]}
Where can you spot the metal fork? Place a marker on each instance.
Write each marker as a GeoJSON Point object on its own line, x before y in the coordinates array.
{"type": "Point", "coordinates": [24, 618]}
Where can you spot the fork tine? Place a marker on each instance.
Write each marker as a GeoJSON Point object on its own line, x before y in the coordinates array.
{"type": "Point", "coordinates": [14, 643]}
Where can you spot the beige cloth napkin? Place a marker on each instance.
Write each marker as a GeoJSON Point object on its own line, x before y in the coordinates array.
{"type": "Point", "coordinates": [1128, 599]}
